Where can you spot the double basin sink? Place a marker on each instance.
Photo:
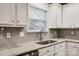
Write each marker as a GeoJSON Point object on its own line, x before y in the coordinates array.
{"type": "Point", "coordinates": [46, 42]}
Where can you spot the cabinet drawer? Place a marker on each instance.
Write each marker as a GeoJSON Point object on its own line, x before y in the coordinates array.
{"type": "Point", "coordinates": [70, 44]}
{"type": "Point", "coordinates": [46, 50]}
{"type": "Point", "coordinates": [61, 45]}
{"type": "Point", "coordinates": [74, 45]}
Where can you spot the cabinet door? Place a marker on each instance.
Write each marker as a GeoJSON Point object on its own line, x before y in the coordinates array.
{"type": "Point", "coordinates": [75, 14]}
{"type": "Point", "coordinates": [46, 51]}
{"type": "Point", "coordinates": [67, 21]}
{"type": "Point", "coordinates": [7, 13]}
{"type": "Point", "coordinates": [55, 16]}
{"type": "Point", "coordinates": [60, 53]}
{"type": "Point", "coordinates": [21, 13]}
{"type": "Point", "coordinates": [59, 15]}
{"type": "Point", "coordinates": [72, 51]}
{"type": "Point", "coordinates": [51, 22]}
{"type": "Point", "coordinates": [60, 49]}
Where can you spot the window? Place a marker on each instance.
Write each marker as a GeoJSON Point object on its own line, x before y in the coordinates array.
{"type": "Point", "coordinates": [37, 19]}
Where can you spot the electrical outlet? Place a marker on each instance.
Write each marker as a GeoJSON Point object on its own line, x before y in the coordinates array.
{"type": "Point", "coordinates": [8, 35]}
{"type": "Point", "coordinates": [55, 32]}
{"type": "Point", "coordinates": [72, 32]}
{"type": "Point", "coordinates": [21, 34]}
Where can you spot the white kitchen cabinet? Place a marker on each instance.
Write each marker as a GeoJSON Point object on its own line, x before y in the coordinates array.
{"type": "Point", "coordinates": [48, 51]}
{"type": "Point", "coordinates": [54, 50]}
{"type": "Point", "coordinates": [74, 12]}
{"type": "Point", "coordinates": [59, 46]}
{"type": "Point", "coordinates": [21, 13]}
{"type": "Point", "coordinates": [51, 21]}
{"type": "Point", "coordinates": [71, 15]}
{"type": "Point", "coordinates": [54, 16]}
{"type": "Point", "coordinates": [60, 49]}
{"type": "Point", "coordinates": [7, 16]}
{"type": "Point", "coordinates": [72, 49]}
{"type": "Point", "coordinates": [61, 52]}
{"type": "Point", "coordinates": [13, 15]}
{"type": "Point", "coordinates": [59, 16]}
{"type": "Point", "coordinates": [65, 16]}
{"type": "Point", "coordinates": [67, 21]}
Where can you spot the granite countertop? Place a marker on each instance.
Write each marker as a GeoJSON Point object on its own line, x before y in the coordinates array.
{"type": "Point", "coordinates": [30, 46]}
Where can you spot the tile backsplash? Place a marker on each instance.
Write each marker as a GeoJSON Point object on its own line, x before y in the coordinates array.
{"type": "Point", "coordinates": [15, 37]}
{"type": "Point", "coordinates": [28, 37]}
{"type": "Point", "coordinates": [67, 33]}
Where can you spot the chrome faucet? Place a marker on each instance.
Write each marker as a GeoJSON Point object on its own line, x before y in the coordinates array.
{"type": "Point", "coordinates": [40, 35]}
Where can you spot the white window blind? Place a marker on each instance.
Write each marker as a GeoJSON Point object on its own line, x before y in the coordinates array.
{"type": "Point", "coordinates": [37, 19]}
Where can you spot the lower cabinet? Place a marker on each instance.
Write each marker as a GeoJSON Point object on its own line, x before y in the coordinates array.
{"type": "Point", "coordinates": [60, 49]}
{"type": "Point", "coordinates": [50, 54]}
{"type": "Point", "coordinates": [54, 50]}
{"type": "Point", "coordinates": [72, 49]}
{"type": "Point", "coordinates": [60, 52]}
{"type": "Point", "coordinates": [48, 51]}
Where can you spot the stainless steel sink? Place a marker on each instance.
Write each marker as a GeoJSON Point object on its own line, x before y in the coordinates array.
{"type": "Point", "coordinates": [46, 42]}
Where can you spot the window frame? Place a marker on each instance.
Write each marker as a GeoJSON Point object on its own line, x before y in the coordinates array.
{"type": "Point", "coordinates": [43, 20]}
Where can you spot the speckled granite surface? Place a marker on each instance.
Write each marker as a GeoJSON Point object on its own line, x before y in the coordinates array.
{"type": "Point", "coordinates": [27, 47]}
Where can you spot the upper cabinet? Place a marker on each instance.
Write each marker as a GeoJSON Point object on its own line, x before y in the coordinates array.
{"type": "Point", "coordinates": [59, 16]}
{"type": "Point", "coordinates": [75, 15]}
{"type": "Point", "coordinates": [13, 15]}
{"type": "Point", "coordinates": [21, 14]}
{"type": "Point", "coordinates": [67, 16]}
{"type": "Point", "coordinates": [54, 16]}
{"type": "Point", "coordinates": [7, 14]}
{"type": "Point", "coordinates": [71, 15]}
{"type": "Point", "coordinates": [51, 21]}
{"type": "Point", "coordinates": [63, 16]}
